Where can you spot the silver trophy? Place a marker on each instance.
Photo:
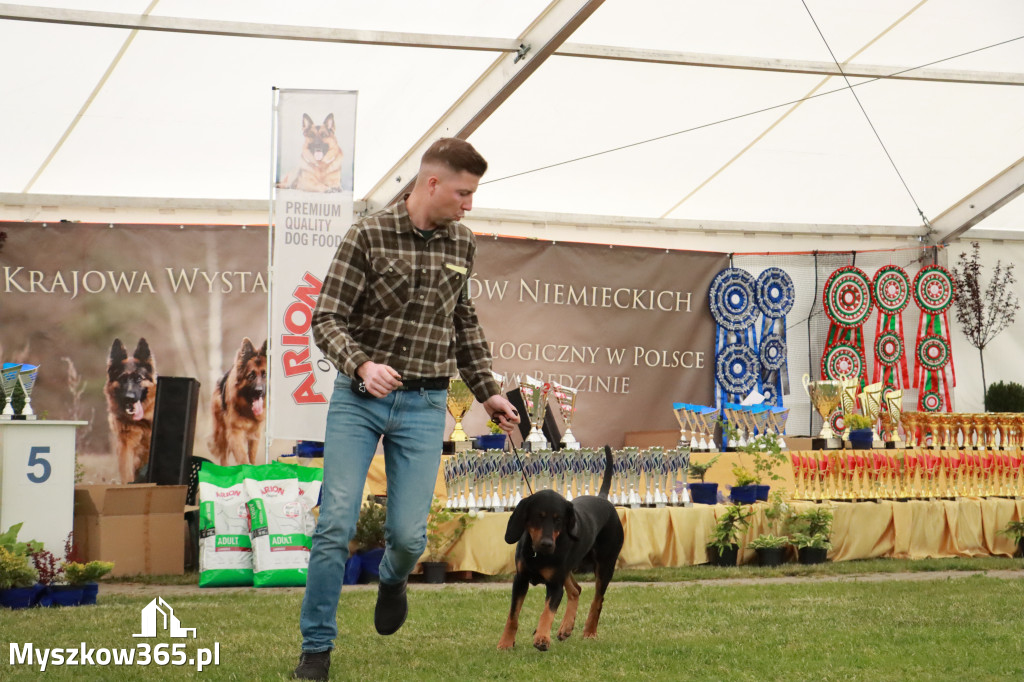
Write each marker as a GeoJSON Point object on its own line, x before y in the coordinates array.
{"type": "Point", "coordinates": [27, 379]}
{"type": "Point", "coordinates": [566, 399]}
{"type": "Point", "coordinates": [8, 382]}
{"type": "Point", "coordinates": [535, 395]}
{"type": "Point", "coordinates": [684, 416]}
{"type": "Point", "coordinates": [779, 417]}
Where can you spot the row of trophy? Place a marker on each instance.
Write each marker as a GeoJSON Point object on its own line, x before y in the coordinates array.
{"type": "Point", "coordinates": [835, 400]}
{"type": "Point", "coordinates": [494, 480]}
{"type": "Point", "coordinates": [697, 424]}
{"type": "Point", "coordinates": [955, 430]}
{"type": "Point", "coordinates": [536, 395]}
{"type": "Point", "coordinates": [908, 474]}
{"type": "Point", "coordinates": [16, 374]}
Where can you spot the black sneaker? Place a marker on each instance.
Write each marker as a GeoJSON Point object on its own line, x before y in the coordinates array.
{"type": "Point", "coordinates": [313, 666]}
{"type": "Point", "coordinates": [392, 608]}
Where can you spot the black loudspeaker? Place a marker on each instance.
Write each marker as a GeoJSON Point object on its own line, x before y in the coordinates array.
{"type": "Point", "coordinates": [174, 431]}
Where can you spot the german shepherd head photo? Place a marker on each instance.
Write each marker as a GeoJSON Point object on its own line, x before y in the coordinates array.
{"type": "Point", "coordinates": [131, 394]}
{"type": "Point", "coordinates": [320, 166]}
{"type": "Point", "coordinates": [239, 407]}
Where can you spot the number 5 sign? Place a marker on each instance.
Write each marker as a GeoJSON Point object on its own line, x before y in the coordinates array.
{"type": "Point", "coordinates": [37, 480]}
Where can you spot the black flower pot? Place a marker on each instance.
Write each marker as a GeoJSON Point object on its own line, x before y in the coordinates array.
{"type": "Point", "coordinates": [812, 555]}
{"type": "Point", "coordinates": [770, 556]}
{"type": "Point", "coordinates": [726, 557]}
{"type": "Point", "coordinates": [433, 571]}
{"type": "Point", "coordinates": [743, 494]}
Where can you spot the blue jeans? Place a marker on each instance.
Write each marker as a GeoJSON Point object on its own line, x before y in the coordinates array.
{"type": "Point", "coordinates": [412, 425]}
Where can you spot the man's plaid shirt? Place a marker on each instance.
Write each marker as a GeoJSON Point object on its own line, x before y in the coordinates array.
{"type": "Point", "coordinates": [397, 298]}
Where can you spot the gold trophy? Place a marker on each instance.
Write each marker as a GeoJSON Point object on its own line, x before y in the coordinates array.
{"type": "Point", "coordinates": [826, 397]}
{"type": "Point", "coordinates": [849, 387]}
{"type": "Point", "coordinates": [460, 399]}
{"type": "Point", "coordinates": [894, 409]}
{"type": "Point", "coordinates": [871, 404]}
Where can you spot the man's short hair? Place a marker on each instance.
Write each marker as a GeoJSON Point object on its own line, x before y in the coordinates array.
{"type": "Point", "coordinates": [456, 154]}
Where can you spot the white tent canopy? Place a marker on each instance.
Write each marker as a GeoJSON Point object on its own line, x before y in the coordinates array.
{"type": "Point", "coordinates": [731, 114]}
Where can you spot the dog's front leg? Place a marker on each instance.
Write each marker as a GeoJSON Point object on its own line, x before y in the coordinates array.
{"type": "Point", "coordinates": [542, 637]}
{"type": "Point", "coordinates": [520, 585]}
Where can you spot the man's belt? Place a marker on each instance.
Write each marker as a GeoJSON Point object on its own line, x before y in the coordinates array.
{"type": "Point", "coordinates": [430, 384]}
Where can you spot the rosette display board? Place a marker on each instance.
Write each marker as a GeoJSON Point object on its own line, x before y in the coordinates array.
{"type": "Point", "coordinates": [934, 291]}
{"type": "Point", "coordinates": [890, 291]}
{"type": "Point", "coordinates": [847, 302]}
{"type": "Point", "coordinates": [734, 306]}
{"type": "Point", "coordinates": [775, 296]}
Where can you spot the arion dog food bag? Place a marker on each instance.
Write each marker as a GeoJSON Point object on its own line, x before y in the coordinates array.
{"type": "Point", "coordinates": [278, 525]}
{"type": "Point", "coordinates": [225, 551]}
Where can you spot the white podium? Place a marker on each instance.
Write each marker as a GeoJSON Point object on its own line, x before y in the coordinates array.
{"type": "Point", "coordinates": [37, 480]}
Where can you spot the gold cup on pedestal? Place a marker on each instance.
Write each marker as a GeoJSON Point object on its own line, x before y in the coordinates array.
{"type": "Point", "coordinates": [826, 397]}
{"type": "Point", "coordinates": [460, 399]}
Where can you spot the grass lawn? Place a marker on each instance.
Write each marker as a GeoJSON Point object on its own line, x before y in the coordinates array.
{"type": "Point", "coordinates": [963, 627]}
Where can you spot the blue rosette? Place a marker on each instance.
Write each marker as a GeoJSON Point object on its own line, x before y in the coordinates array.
{"type": "Point", "coordinates": [732, 299]}
{"type": "Point", "coordinates": [775, 294]}
{"type": "Point", "coordinates": [736, 370]}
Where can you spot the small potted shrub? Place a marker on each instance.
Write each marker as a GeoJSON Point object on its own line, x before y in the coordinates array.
{"type": "Point", "coordinates": [724, 546]}
{"type": "Point", "coordinates": [495, 440]}
{"type": "Point", "coordinates": [86, 576]}
{"type": "Point", "coordinates": [1015, 531]}
{"type": "Point", "coordinates": [745, 490]}
{"type": "Point", "coordinates": [444, 528]}
{"type": "Point", "coordinates": [702, 493]}
{"type": "Point", "coordinates": [367, 546]}
{"type": "Point", "coordinates": [17, 578]}
{"type": "Point", "coordinates": [1005, 397]}
{"type": "Point", "coordinates": [860, 431]}
{"type": "Point", "coordinates": [771, 549]}
{"type": "Point", "coordinates": [809, 533]}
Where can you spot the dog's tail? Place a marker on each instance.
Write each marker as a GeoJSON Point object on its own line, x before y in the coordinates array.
{"type": "Point", "coordinates": [606, 485]}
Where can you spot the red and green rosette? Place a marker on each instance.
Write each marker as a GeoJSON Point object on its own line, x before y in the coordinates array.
{"type": "Point", "coordinates": [890, 291]}
{"type": "Point", "coordinates": [847, 302]}
{"type": "Point", "coordinates": [934, 291]}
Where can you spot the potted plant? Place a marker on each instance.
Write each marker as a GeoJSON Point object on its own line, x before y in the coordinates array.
{"type": "Point", "coordinates": [86, 576]}
{"type": "Point", "coordinates": [770, 549]}
{"type": "Point", "coordinates": [745, 490]}
{"type": "Point", "coordinates": [1015, 531]}
{"type": "Point", "coordinates": [17, 578]}
{"type": "Point", "coordinates": [27, 550]}
{"type": "Point", "coordinates": [726, 533]}
{"type": "Point", "coordinates": [809, 533]}
{"type": "Point", "coordinates": [367, 546]}
{"type": "Point", "coordinates": [860, 431]}
{"type": "Point", "coordinates": [702, 493]}
{"type": "Point", "coordinates": [444, 528]}
{"type": "Point", "coordinates": [495, 440]}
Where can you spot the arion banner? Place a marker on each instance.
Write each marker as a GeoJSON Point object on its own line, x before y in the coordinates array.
{"type": "Point", "coordinates": [312, 210]}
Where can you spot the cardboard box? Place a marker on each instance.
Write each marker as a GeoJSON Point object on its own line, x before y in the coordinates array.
{"type": "Point", "coordinates": [140, 527]}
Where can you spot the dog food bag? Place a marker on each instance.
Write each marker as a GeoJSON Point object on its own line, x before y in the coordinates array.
{"type": "Point", "coordinates": [225, 549]}
{"type": "Point", "coordinates": [277, 524]}
{"type": "Point", "coordinates": [310, 481]}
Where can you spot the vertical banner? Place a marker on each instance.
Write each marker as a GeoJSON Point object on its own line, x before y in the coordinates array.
{"type": "Point", "coordinates": [312, 210]}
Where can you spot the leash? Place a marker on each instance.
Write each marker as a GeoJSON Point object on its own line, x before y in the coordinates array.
{"type": "Point", "coordinates": [522, 469]}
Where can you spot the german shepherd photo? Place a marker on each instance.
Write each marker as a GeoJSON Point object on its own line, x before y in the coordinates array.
{"type": "Point", "coordinates": [320, 166]}
{"type": "Point", "coordinates": [239, 407]}
{"type": "Point", "coordinates": [131, 394]}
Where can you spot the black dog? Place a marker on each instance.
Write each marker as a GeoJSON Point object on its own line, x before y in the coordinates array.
{"type": "Point", "coordinates": [557, 537]}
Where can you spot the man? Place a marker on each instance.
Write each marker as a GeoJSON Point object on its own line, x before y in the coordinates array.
{"type": "Point", "coordinates": [395, 318]}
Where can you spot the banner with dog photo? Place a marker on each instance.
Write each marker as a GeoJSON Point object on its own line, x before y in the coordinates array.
{"type": "Point", "coordinates": [312, 211]}
{"type": "Point", "coordinates": [105, 311]}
